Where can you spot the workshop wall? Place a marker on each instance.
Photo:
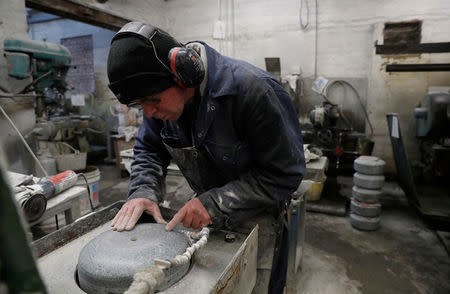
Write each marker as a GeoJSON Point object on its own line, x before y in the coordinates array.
{"type": "Point", "coordinates": [13, 24]}
{"type": "Point", "coordinates": [346, 33]}
{"type": "Point", "coordinates": [401, 92]}
{"type": "Point", "coordinates": [344, 48]}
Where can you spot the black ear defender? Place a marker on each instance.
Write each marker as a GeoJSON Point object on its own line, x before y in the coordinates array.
{"type": "Point", "coordinates": [185, 64]}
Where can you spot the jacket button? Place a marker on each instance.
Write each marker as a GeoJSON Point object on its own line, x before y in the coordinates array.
{"type": "Point", "coordinates": [200, 134]}
{"type": "Point", "coordinates": [225, 157]}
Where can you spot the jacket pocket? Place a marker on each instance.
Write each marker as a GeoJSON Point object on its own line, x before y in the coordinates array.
{"type": "Point", "coordinates": [230, 159]}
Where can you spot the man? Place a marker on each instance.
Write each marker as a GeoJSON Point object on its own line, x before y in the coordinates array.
{"type": "Point", "coordinates": [230, 127]}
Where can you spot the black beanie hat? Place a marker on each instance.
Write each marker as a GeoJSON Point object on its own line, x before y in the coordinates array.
{"type": "Point", "coordinates": [134, 70]}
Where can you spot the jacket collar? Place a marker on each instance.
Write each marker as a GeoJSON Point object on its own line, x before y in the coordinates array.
{"type": "Point", "coordinates": [219, 74]}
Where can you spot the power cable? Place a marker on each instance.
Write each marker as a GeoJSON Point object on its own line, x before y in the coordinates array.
{"type": "Point", "coordinates": [24, 142]}
{"type": "Point", "coordinates": [316, 42]}
{"type": "Point", "coordinates": [4, 89]}
{"type": "Point", "coordinates": [89, 190]}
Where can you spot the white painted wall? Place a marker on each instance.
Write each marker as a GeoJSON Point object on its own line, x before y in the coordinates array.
{"type": "Point", "coordinates": [401, 92]}
{"type": "Point", "coordinates": [271, 28]}
{"type": "Point", "coordinates": [346, 33]}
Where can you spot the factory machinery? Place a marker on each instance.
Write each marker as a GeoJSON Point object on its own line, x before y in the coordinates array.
{"type": "Point", "coordinates": [428, 189]}
{"type": "Point", "coordinates": [47, 65]}
{"type": "Point", "coordinates": [433, 134]}
{"type": "Point", "coordinates": [333, 135]}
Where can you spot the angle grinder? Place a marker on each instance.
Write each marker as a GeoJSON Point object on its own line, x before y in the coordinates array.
{"type": "Point", "coordinates": [33, 198]}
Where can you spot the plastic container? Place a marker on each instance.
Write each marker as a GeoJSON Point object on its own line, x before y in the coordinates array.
{"type": "Point", "coordinates": [73, 161]}
{"type": "Point", "coordinates": [48, 226]}
{"type": "Point", "coordinates": [92, 175]}
{"type": "Point", "coordinates": [314, 193]}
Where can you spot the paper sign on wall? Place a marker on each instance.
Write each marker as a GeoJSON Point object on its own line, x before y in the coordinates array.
{"type": "Point", "coordinates": [77, 100]}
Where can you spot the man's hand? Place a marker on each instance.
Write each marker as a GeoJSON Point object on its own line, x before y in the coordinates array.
{"type": "Point", "coordinates": [132, 210]}
{"type": "Point", "coordinates": [193, 214]}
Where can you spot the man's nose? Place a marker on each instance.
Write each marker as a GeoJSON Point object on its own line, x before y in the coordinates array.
{"type": "Point", "coordinates": [149, 110]}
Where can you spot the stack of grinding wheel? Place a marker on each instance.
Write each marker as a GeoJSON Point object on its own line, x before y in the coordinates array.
{"type": "Point", "coordinates": [365, 204]}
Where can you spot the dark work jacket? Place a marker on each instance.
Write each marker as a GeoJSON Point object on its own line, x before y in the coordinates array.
{"type": "Point", "coordinates": [248, 139]}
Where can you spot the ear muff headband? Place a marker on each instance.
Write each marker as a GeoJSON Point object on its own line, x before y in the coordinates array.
{"type": "Point", "coordinates": [186, 65]}
{"type": "Point", "coordinates": [144, 31]}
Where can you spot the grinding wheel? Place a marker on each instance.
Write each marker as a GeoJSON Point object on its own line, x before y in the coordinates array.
{"type": "Point", "coordinates": [108, 262]}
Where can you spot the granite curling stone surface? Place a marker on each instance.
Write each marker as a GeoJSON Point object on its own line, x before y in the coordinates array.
{"type": "Point", "coordinates": [108, 262]}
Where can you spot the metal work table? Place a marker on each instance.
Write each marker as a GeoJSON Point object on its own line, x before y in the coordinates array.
{"type": "Point", "coordinates": [67, 202]}
{"type": "Point", "coordinates": [219, 267]}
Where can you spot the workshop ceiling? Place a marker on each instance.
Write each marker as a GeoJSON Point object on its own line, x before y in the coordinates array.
{"type": "Point", "coordinates": [79, 12]}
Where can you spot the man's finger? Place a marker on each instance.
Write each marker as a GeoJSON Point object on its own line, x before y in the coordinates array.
{"type": "Point", "coordinates": [196, 223]}
{"type": "Point", "coordinates": [176, 219]}
{"type": "Point", "coordinates": [158, 218]}
{"type": "Point", "coordinates": [116, 218]}
{"type": "Point", "coordinates": [120, 215]}
{"type": "Point", "coordinates": [123, 222]}
{"type": "Point", "coordinates": [137, 212]}
{"type": "Point", "coordinates": [187, 221]}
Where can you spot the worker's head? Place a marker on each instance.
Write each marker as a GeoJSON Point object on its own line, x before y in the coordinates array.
{"type": "Point", "coordinates": [149, 67]}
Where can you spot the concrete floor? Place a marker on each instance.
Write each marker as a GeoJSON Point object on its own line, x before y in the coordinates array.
{"type": "Point", "coordinates": [403, 256]}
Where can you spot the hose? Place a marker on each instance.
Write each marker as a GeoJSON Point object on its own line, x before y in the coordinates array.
{"type": "Point", "coordinates": [3, 89]}
{"type": "Point", "coordinates": [342, 82]}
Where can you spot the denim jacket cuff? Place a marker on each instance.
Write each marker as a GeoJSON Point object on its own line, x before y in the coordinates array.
{"type": "Point", "coordinates": [144, 193]}
{"type": "Point", "coordinates": [217, 217]}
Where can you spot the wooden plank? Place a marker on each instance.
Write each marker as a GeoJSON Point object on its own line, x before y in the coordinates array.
{"type": "Point", "coordinates": [79, 12]}
{"type": "Point", "coordinates": [418, 67]}
{"type": "Point", "coordinates": [442, 47]}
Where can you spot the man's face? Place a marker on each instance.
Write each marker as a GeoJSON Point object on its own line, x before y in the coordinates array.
{"type": "Point", "coordinates": [167, 105]}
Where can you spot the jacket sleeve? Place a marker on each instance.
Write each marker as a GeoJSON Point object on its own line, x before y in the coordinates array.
{"type": "Point", "coordinates": [270, 127]}
{"type": "Point", "coordinates": [149, 167]}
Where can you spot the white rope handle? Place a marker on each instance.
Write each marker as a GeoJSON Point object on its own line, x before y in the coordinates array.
{"type": "Point", "coordinates": [184, 258]}
{"type": "Point", "coordinates": [146, 280]}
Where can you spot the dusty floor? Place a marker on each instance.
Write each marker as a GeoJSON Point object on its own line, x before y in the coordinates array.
{"type": "Point", "coordinates": [403, 256]}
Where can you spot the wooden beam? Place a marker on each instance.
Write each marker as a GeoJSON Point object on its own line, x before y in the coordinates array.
{"type": "Point", "coordinates": [79, 12]}
{"type": "Point", "coordinates": [442, 47]}
{"type": "Point", "coordinates": [418, 67]}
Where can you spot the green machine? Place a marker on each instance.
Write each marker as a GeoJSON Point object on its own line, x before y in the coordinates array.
{"type": "Point", "coordinates": [47, 63]}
